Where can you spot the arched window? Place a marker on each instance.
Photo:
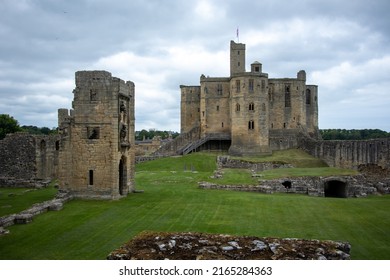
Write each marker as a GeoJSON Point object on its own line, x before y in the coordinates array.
{"type": "Point", "coordinates": [251, 125]}
{"type": "Point", "coordinates": [251, 106]}
{"type": "Point", "coordinates": [237, 107]}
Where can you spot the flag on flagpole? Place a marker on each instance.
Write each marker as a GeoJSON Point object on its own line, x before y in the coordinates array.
{"type": "Point", "coordinates": [238, 35]}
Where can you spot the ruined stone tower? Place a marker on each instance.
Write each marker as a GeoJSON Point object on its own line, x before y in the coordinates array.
{"type": "Point", "coordinates": [96, 153]}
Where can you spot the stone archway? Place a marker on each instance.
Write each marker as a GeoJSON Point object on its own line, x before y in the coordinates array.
{"type": "Point", "coordinates": [335, 188]}
{"type": "Point", "coordinates": [123, 176]}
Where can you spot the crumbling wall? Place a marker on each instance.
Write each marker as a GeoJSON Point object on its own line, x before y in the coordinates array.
{"type": "Point", "coordinates": [27, 158]}
{"type": "Point", "coordinates": [227, 162]}
{"type": "Point", "coordinates": [349, 153]}
{"type": "Point", "coordinates": [352, 186]}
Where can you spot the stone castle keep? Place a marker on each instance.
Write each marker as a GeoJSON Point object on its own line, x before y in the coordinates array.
{"type": "Point", "coordinates": [247, 113]}
{"type": "Point", "coordinates": [97, 137]}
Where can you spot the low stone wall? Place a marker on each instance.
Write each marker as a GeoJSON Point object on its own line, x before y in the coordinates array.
{"type": "Point", "coordinates": [27, 216]}
{"type": "Point", "coordinates": [139, 159]}
{"type": "Point", "coordinates": [340, 186]}
{"type": "Point", "coordinates": [227, 162]}
{"type": "Point", "coordinates": [23, 183]}
{"type": "Point", "coordinates": [202, 246]}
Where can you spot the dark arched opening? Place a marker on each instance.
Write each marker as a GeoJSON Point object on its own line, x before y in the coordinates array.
{"type": "Point", "coordinates": [335, 188]}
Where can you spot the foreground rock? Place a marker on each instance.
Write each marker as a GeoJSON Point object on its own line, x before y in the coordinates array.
{"type": "Point", "coordinates": [200, 246]}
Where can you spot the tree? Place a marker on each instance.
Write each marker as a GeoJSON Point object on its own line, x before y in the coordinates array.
{"type": "Point", "coordinates": [8, 125]}
{"type": "Point", "coordinates": [353, 134]}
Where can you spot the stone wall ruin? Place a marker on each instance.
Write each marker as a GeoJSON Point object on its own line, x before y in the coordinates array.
{"type": "Point", "coordinates": [339, 186]}
{"type": "Point", "coordinates": [28, 160]}
{"type": "Point", "coordinates": [97, 144]}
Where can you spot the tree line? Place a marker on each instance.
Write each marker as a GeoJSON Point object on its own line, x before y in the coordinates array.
{"type": "Point", "coordinates": [10, 125]}
{"type": "Point", "coordinates": [151, 133]}
{"type": "Point", "coordinates": [353, 134]}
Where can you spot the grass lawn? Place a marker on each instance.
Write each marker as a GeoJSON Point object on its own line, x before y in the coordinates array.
{"type": "Point", "coordinates": [296, 157]}
{"type": "Point", "coordinates": [173, 202]}
{"type": "Point", "coordinates": [14, 200]}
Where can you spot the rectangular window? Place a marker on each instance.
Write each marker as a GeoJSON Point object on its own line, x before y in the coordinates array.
{"type": "Point", "coordinates": [90, 177]}
{"type": "Point", "coordinates": [93, 132]}
{"type": "Point", "coordinates": [251, 125]}
{"type": "Point", "coordinates": [308, 97]}
{"type": "Point", "coordinates": [238, 87]}
{"type": "Point", "coordinates": [217, 107]}
{"type": "Point", "coordinates": [251, 83]}
{"type": "Point", "coordinates": [93, 94]}
{"type": "Point", "coordinates": [287, 97]}
{"type": "Point", "coordinates": [219, 89]}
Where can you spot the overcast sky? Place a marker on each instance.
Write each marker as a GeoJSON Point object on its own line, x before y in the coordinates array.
{"type": "Point", "coordinates": [344, 46]}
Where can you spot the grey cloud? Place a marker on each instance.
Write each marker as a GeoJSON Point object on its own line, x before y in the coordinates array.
{"type": "Point", "coordinates": [44, 42]}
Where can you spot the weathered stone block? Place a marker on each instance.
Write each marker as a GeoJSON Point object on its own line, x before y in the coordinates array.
{"type": "Point", "coordinates": [23, 218]}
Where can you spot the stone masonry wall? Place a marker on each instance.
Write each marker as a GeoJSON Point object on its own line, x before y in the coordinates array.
{"type": "Point", "coordinates": [227, 162]}
{"type": "Point", "coordinates": [354, 186]}
{"type": "Point", "coordinates": [17, 156]}
{"type": "Point", "coordinates": [349, 153]}
{"type": "Point", "coordinates": [26, 159]}
{"type": "Point", "coordinates": [97, 137]}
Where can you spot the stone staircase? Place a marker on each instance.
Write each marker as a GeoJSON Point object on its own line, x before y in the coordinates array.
{"type": "Point", "coordinates": [194, 145]}
{"type": "Point", "coordinates": [188, 142]}
{"type": "Point", "coordinates": [179, 144]}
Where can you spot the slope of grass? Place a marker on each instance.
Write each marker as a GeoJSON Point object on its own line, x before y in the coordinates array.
{"type": "Point", "coordinates": [296, 157]}
{"type": "Point", "coordinates": [173, 202]}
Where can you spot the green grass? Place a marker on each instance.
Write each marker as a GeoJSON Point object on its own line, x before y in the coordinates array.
{"type": "Point", "coordinates": [173, 202]}
{"type": "Point", "coordinates": [296, 157]}
{"type": "Point", "coordinates": [14, 200]}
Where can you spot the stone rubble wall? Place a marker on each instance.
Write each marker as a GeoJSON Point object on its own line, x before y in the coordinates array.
{"type": "Point", "coordinates": [17, 156]}
{"type": "Point", "coordinates": [357, 186]}
{"type": "Point", "coordinates": [139, 159]}
{"type": "Point", "coordinates": [27, 160]}
{"type": "Point", "coordinates": [202, 246]}
{"type": "Point", "coordinates": [227, 162]}
{"type": "Point", "coordinates": [26, 216]}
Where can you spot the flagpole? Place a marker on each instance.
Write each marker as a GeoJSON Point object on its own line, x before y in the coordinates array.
{"type": "Point", "coordinates": [238, 35]}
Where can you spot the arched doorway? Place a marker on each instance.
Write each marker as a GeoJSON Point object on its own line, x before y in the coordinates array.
{"type": "Point", "coordinates": [122, 176]}
{"type": "Point", "coordinates": [335, 188]}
